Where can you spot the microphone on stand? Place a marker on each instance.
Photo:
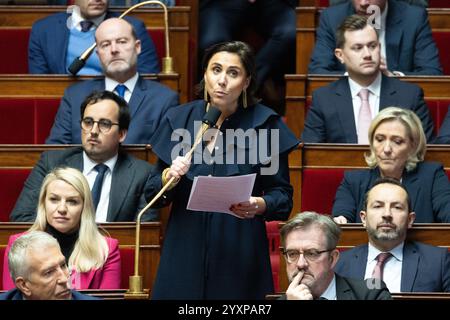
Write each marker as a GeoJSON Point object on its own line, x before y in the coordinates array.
{"type": "Point", "coordinates": [135, 286]}
{"type": "Point", "coordinates": [79, 62]}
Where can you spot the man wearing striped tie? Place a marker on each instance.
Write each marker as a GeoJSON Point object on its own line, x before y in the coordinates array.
{"type": "Point", "coordinates": [405, 266]}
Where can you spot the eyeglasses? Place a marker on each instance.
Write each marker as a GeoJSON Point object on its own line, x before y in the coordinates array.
{"type": "Point", "coordinates": [104, 125]}
{"type": "Point", "coordinates": [292, 256]}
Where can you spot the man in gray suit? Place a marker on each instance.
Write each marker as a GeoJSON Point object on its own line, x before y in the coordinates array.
{"type": "Point", "coordinates": [408, 266]}
{"type": "Point", "coordinates": [104, 124]}
{"type": "Point", "coordinates": [309, 245]}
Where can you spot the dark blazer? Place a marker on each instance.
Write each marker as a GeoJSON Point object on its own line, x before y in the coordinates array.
{"type": "Point", "coordinates": [444, 131]}
{"type": "Point", "coordinates": [330, 118]}
{"type": "Point", "coordinates": [149, 101]}
{"type": "Point", "coordinates": [127, 185]}
{"type": "Point", "coordinates": [410, 48]}
{"type": "Point", "coordinates": [425, 268]}
{"type": "Point", "coordinates": [15, 294]}
{"type": "Point", "coordinates": [427, 185]}
{"type": "Point", "coordinates": [49, 39]}
{"type": "Point", "coordinates": [351, 289]}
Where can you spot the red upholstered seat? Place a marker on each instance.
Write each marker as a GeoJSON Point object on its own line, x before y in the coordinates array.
{"type": "Point", "coordinates": [438, 4]}
{"type": "Point", "coordinates": [14, 50]}
{"type": "Point", "coordinates": [11, 184]}
{"type": "Point", "coordinates": [443, 43]}
{"type": "Point", "coordinates": [34, 117]}
{"type": "Point", "coordinates": [319, 188]}
{"type": "Point", "coordinates": [438, 110]}
{"type": "Point", "coordinates": [127, 259]}
{"type": "Point", "coordinates": [273, 235]}
{"type": "Point", "coordinates": [2, 254]}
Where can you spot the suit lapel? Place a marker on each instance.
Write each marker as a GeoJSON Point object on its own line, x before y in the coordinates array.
{"type": "Point", "coordinates": [121, 180]}
{"type": "Point", "coordinates": [409, 267]}
{"type": "Point", "coordinates": [411, 183]}
{"type": "Point", "coordinates": [63, 33]}
{"type": "Point", "coordinates": [76, 160]}
{"type": "Point", "coordinates": [137, 97]}
{"type": "Point", "coordinates": [344, 105]}
{"type": "Point", "coordinates": [343, 291]}
{"type": "Point", "coordinates": [388, 92]}
{"type": "Point", "coordinates": [359, 262]}
{"type": "Point", "coordinates": [393, 36]}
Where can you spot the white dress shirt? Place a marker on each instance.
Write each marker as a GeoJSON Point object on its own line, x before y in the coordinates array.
{"type": "Point", "coordinates": [75, 19]}
{"type": "Point", "coordinates": [392, 272]}
{"type": "Point", "coordinates": [330, 292]}
{"type": "Point", "coordinates": [90, 173]}
{"type": "Point", "coordinates": [374, 97]}
{"type": "Point", "coordinates": [111, 84]}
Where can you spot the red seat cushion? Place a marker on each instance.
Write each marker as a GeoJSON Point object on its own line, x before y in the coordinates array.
{"type": "Point", "coordinates": [11, 184]}
{"type": "Point", "coordinates": [438, 4]}
{"type": "Point", "coordinates": [127, 264]}
{"type": "Point", "coordinates": [443, 43]}
{"type": "Point", "coordinates": [273, 236]}
{"type": "Point", "coordinates": [159, 42]}
{"type": "Point", "coordinates": [319, 188]}
{"type": "Point", "coordinates": [14, 50]}
{"type": "Point", "coordinates": [2, 256]}
{"type": "Point", "coordinates": [438, 110]}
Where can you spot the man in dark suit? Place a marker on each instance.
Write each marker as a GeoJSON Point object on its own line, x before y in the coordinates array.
{"type": "Point", "coordinates": [336, 110]}
{"type": "Point", "coordinates": [309, 243]}
{"type": "Point", "coordinates": [104, 127]}
{"type": "Point", "coordinates": [39, 270]}
{"type": "Point", "coordinates": [410, 266]}
{"type": "Point", "coordinates": [444, 131]}
{"type": "Point", "coordinates": [56, 40]}
{"type": "Point", "coordinates": [118, 49]}
{"type": "Point", "coordinates": [423, 3]}
{"type": "Point", "coordinates": [405, 36]}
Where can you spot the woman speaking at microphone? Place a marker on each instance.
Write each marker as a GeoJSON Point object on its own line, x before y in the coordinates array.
{"type": "Point", "coordinates": [211, 255]}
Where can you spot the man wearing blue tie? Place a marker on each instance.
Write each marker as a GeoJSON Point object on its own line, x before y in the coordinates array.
{"type": "Point", "coordinates": [116, 178]}
{"type": "Point", "coordinates": [118, 49]}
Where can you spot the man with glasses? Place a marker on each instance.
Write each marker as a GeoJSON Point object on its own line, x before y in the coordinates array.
{"type": "Point", "coordinates": [309, 243]}
{"type": "Point", "coordinates": [118, 49]}
{"type": "Point", "coordinates": [407, 266]}
{"type": "Point", "coordinates": [116, 178]}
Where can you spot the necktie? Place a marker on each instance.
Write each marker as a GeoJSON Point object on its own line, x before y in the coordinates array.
{"type": "Point", "coordinates": [97, 188]}
{"type": "Point", "coordinates": [86, 25]}
{"type": "Point", "coordinates": [364, 117]}
{"type": "Point", "coordinates": [381, 260]}
{"type": "Point", "coordinates": [120, 89]}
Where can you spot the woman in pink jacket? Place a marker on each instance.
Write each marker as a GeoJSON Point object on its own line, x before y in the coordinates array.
{"type": "Point", "coordinates": [65, 211]}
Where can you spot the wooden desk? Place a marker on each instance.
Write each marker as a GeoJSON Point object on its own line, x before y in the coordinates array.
{"type": "Point", "coordinates": [150, 246]}
{"type": "Point", "coordinates": [23, 17]}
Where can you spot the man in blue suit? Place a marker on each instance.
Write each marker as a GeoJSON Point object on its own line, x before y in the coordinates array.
{"type": "Point", "coordinates": [39, 270]}
{"type": "Point", "coordinates": [411, 266]}
{"type": "Point", "coordinates": [405, 35]}
{"type": "Point", "coordinates": [56, 40]}
{"type": "Point", "coordinates": [334, 116]}
{"type": "Point", "coordinates": [148, 101]}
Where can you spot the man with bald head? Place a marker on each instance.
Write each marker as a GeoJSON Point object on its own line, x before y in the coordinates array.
{"type": "Point", "coordinates": [58, 39]}
{"type": "Point", "coordinates": [118, 49]}
{"type": "Point", "coordinates": [407, 46]}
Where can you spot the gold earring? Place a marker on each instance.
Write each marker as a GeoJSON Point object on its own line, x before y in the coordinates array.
{"type": "Point", "coordinates": [244, 98]}
{"type": "Point", "coordinates": [205, 95]}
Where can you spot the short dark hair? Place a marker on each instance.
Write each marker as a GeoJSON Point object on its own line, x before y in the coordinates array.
{"type": "Point", "coordinates": [247, 57]}
{"type": "Point", "coordinates": [387, 180]}
{"type": "Point", "coordinates": [97, 96]}
{"type": "Point", "coordinates": [351, 23]}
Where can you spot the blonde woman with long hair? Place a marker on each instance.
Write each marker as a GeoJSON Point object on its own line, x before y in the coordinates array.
{"type": "Point", "coordinates": [65, 210]}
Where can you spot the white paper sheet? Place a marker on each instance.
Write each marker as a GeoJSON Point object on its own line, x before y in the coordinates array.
{"type": "Point", "coordinates": [217, 194]}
